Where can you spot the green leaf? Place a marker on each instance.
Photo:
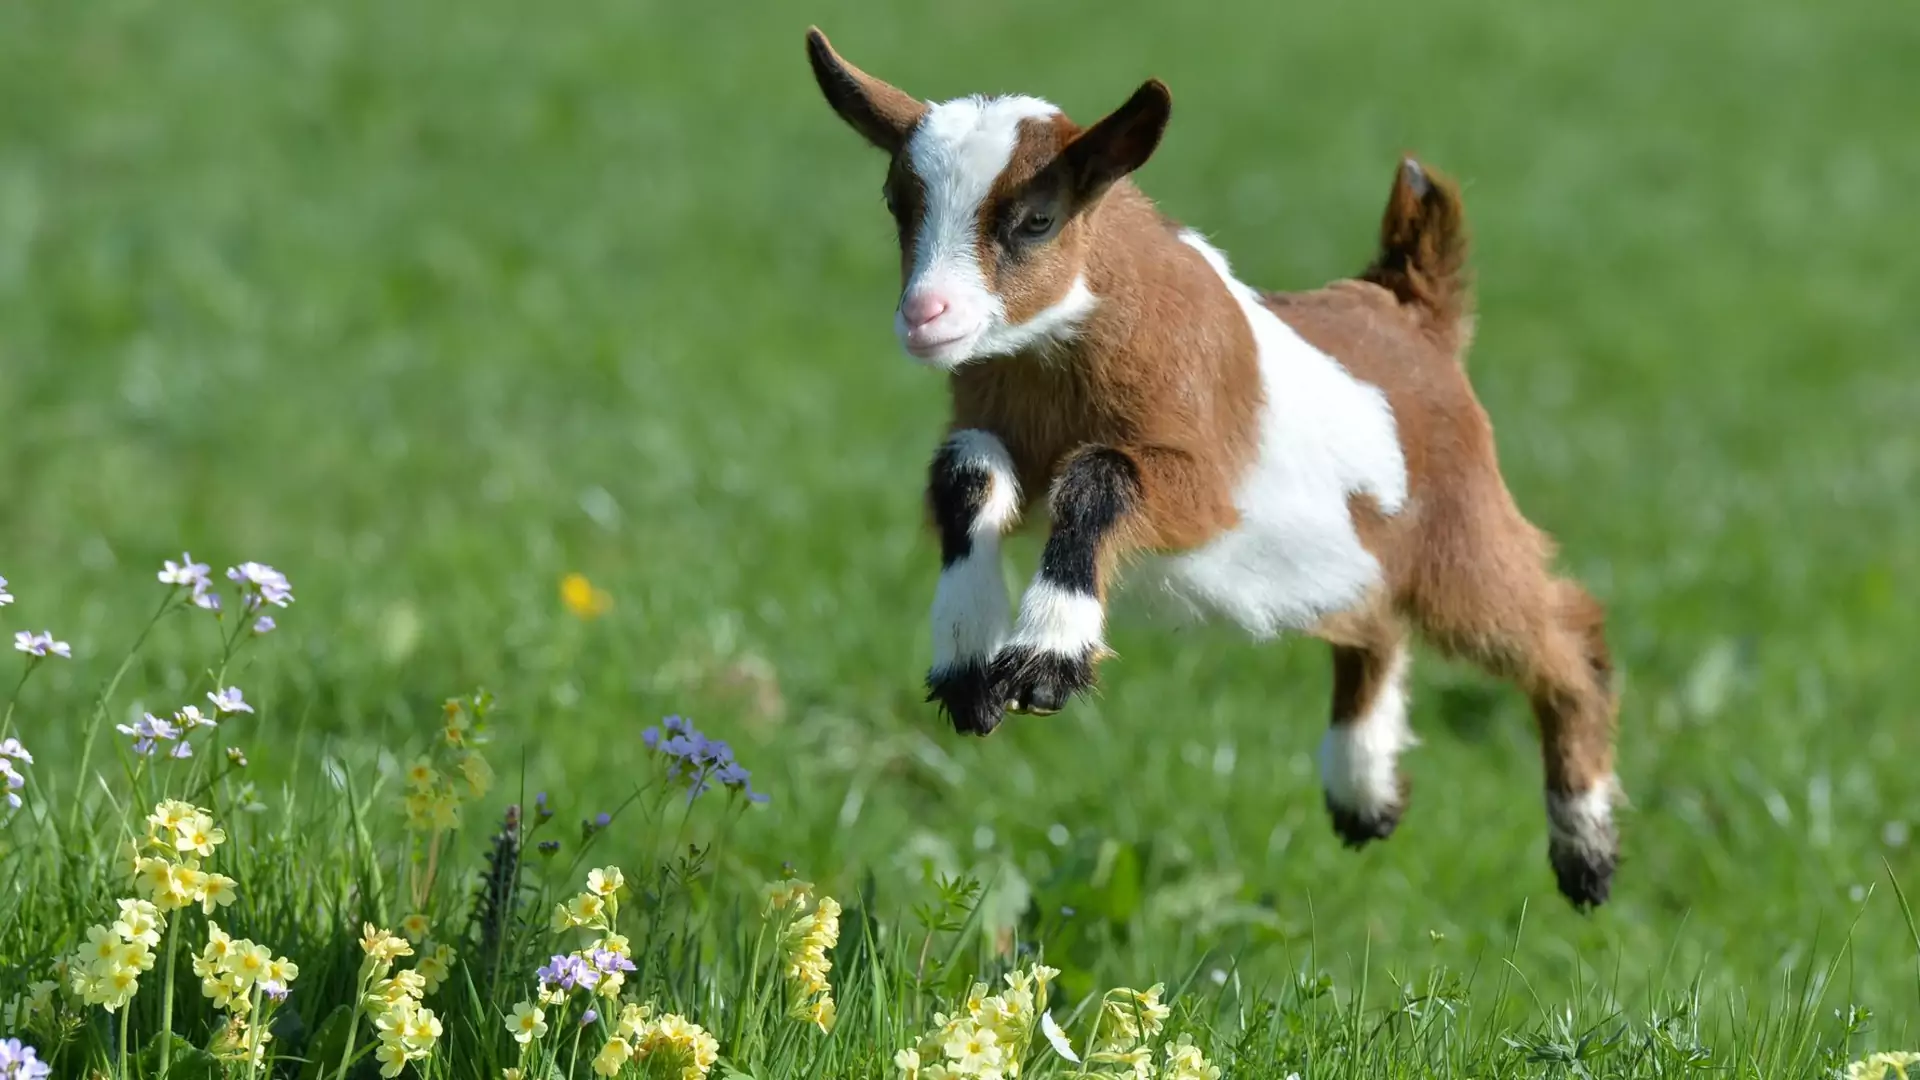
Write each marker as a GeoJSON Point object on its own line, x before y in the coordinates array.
{"type": "Point", "coordinates": [329, 1042]}
{"type": "Point", "coordinates": [189, 1061]}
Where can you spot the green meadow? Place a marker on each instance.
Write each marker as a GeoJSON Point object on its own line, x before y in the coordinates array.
{"type": "Point", "coordinates": [429, 306]}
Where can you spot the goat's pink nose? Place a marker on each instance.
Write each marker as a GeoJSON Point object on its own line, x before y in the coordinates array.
{"type": "Point", "coordinates": [919, 309]}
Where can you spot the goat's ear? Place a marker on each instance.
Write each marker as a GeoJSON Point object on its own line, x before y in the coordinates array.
{"type": "Point", "coordinates": [1120, 142]}
{"type": "Point", "coordinates": [880, 112]}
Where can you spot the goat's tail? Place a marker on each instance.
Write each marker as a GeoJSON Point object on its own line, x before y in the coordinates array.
{"type": "Point", "coordinates": [1423, 252]}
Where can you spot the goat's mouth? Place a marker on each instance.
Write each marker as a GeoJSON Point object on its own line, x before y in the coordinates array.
{"type": "Point", "coordinates": [945, 349]}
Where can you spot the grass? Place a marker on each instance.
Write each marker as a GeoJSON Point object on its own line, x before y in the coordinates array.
{"type": "Point", "coordinates": [429, 310]}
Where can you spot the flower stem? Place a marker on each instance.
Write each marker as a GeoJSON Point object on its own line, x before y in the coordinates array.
{"type": "Point", "coordinates": [125, 1019]}
{"type": "Point", "coordinates": [100, 706]}
{"type": "Point", "coordinates": [353, 1026]}
{"type": "Point", "coordinates": [166, 997]}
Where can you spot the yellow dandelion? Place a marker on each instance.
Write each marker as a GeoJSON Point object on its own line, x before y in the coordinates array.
{"type": "Point", "coordinates": [583, 598]}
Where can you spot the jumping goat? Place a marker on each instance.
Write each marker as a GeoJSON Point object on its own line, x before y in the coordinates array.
{"type": "Point", "coordinates": [1308, 461]}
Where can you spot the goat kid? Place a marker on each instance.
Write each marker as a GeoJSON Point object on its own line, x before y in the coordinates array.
{"type": "Point", "coordinates": [1309, 461]}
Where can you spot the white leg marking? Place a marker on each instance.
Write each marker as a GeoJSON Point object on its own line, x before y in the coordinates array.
{"type": "Point", "coordinates": [1583, 823]}
{"type": "Point", "coordinates": [971, 616]}
{"type": "Point", "coordinates": [1059, 620]}
{"type": "Point", "coordinates": [1358, 758]}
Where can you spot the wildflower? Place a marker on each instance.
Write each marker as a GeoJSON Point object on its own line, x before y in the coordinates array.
{"type": "Point", "coordinates": [263, 625]}
{"type": "Point", "coordinates": [146, 731]}
{"type": "Point", "coordinates": [512, 1074]}
{"type": "Point", "coordinates": [1878, 1066]}
{"type": "Point", "coordinates": [186, 572]}
{"type": "Point", "coordinates": [548, 847]}
{"type": "Point", "coordinates": [199, 835]}
{"type": "Point", "coordinates": [908, 1062]}
{"type": "Point", "coordinates": [283, 970]}
{"type": "Point", "coordinates": [698, 761]}
{"type": "Point", "coordinates": [527, 1023]}
{"type": "Point", "coordinates": [217, 890]}
{"type": "Point", "coordinates": [11, 748]}
{"type": "Point", "coordinates": [676, 1040]}
{"type": "Point", "coordinates": [1131, 1016]}
{"type": "Point", "coordinates": [5, 596]}
{"type": "Point", "coordinates": [973, 1049]}
{"type": "Point", "coordinates": [21, 1062]}
{"type": "Point", "coordinates": [420, 775]}
{"type": "Point", "coordinates": [13, 782]}
{"type": "Point", "coordinates": [381, 947]}
{"type": "Point", "coordinates": [239, 758]}
{"type": "Point", "coordinates": [788, 893]}
{"type": "Point", "coordinates": [805, 944]}
{"type": "Point", "coordinates": [261, 584]}
{"type": "Point", "coordinates": [540, 808]}
{"type": "Point", "coordinates": [435, 967]}
{"type": "Point", "coordinates": [41, 644]}
{"type": "Point", "coordinates": [589, 1018]}
{"type": "Point", "coordinates": [1184, 1062]}
{"type": "Point", "coordinates": [634, 1019]}
{"type": "Point", "coordinates": [1058, 1038]}
{"type": "Point", "coordinates": [605, 882]}
{"type": "Point", "coordinates": [139, 922]}
{"type": "Point", "coordinates": [582, 598]}
{"type": "Point", "coordinates": [612, 1057]}
{"type": "Point", "coordinates": [478, 774]}
{"type": "Point", "coordinates": [416, 927]}
{"type": "Point", "coordinates": [190, 717]}
{"type": "Point", "coordinates": [230, 700]}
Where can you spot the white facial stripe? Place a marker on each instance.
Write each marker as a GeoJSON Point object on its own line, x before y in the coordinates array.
{"type": "Point", "coordinates": [1358, 758]}
{"type": "Point", "coordinates": [1058, 620]}
{"type": "Point", "coordinates": [958, 151]}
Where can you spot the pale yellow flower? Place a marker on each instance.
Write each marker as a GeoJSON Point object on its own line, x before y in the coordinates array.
{"type": "Point", "coordinates": [420, 774]}
{"type": "Point", "coordinates": [139, 922]}
{"type": "Point", "coordinates": [416, 927]}
{"type": "Point", "coordinates": [582, 598]}
{"type": "Point", "coordinates": [527, 1022]}
{"type": "Point", "coordinates": [198, 835]}
{"type": "Point", "coordinates": [217, 890]}
{"type": "Point", "coordinates": [605, 881]}
{"type": "Point", "coordinates": [908, 1062]}
{"type": "Point", "coordinates": [1879, 1066]}
{"type": "Point", "coordinates": [613, 1056]}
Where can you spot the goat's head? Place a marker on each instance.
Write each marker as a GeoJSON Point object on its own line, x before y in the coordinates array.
{"type": "Point", "coordinates": [991, 197]}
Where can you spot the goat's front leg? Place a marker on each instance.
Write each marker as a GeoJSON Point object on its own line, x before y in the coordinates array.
{"type": "Point", "coordinates": [973, 493]}
{"type": "Point", "coordinates": [1105, 502]}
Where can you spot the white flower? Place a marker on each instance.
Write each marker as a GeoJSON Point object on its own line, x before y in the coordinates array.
{"type": "Point", "coordinates": [229, 700]}
{"type": "Point", "coordinates": [12, 748]}
{"type": "Point", "coordinates": [1061, 1044]}
{"type": "Point", "coordinates": [14, 782]}
{"type": "Point", "coordinates": [5, 596]}
{"type": "Point", "coordinates": [262, 583]}
{"type": "Point", "coordinates": [41, 644]}
{"type": "Point", "coordinates": [191, 717]}
{"type": "Point", "coordinates": [186, 572]}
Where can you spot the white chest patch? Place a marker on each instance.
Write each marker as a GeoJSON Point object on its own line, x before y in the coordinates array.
{"type": "Point", "coordinates": [1324, 436]}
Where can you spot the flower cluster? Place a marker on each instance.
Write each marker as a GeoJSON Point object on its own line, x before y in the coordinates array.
{"type": "Point", "coordinates": [166, 864]}
{"type": "Point", "coordinates": [27, 1006]}
{"type": "Point", "coordinates": [41, 645]}
{"type": "Point", "coordinates": [150, 731]}
{"type": "Point", "coordinates": [987, 1041]}
{"type": "Point", "coordinates": [602, 966]}
{"type": "Point", "coordinates": [669, 1045]}
{"type": "Point", "coordinates": [804, 944]}
{"type": "Point", "coordinates": [17, 1061]}
{"type": "Point", "coordinates": [106, 970]}
{"type": "Point", "coordinates": [439, 783]}
{"type": "Point", "coordinates": [1882, 1065]}
{"type": "Point", "coordinates": [259, 585]}
{"type": "Point", "coordinates": [244, 980]}
{"type": "Point", "coordinates": [391, 999]}
{"type": "Point", "coordinates": [11, 778]}
{"type": "Point", "coordinates": [698, 761]}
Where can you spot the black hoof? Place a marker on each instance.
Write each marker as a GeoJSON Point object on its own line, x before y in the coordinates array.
{"type": "Point", "coordinates": [1585, 876]}
{"type": "Point", "coordinates": [1037, 682]}
{"type": "Point", "coordinates": [967, 696]}
{"type": "Point", "coordinates": [1357, 828]}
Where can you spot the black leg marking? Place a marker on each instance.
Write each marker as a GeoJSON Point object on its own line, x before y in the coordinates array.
{"type": "Point", "coordinates": [1031, 681]}
{"type": "Point", "coordinates": [1096, 489]}
{"type": "Point", "coordinates": [1357, 829]}
{"type": "Point", "coordinates": [966, 697]}
{"type": "Point", "coordinates": [1585, 878]}
{"type": "Point", "coordinates": [957, 488]}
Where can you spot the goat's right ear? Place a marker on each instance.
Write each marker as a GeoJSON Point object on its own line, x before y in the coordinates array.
{"type": "Point", "coordinates": [879, 111]}
{"type": "Point", "coordinates": [1120, 142]}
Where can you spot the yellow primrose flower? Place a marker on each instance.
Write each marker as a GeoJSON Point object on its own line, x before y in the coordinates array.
{"type": "Point", "coordinates": [908, 1062]}
{"type": "Point", "coordinates": [382, 945]}
{"type": "Point", "coordinates": [527, 1022]}
{"type": "Point", "coordinates": [511, 1074]}
{"type": "Point", "coordinates": [479, 775]}
{"type": "Point", "coordinates": [416, 927]}
{"type": "Point", "coordinates": [153, 876]}
{"type": "Point", "coordinates": [822, 1014]}
{"type": "Point", "coordinates": [169, 813]}
{"type": "Point", "coordinates": [612, 1057]}
{"type": "Point", "coordinates": [605, 881]}
{"type": "Point", "coordinates": [198, 835]}
{"type": "Point", "coordinates": [420, 774]}
{"type": "Point", "coordinates": [392, 1056]}
{"type": "Point", "coordinates": [634, 1019]}
{"type": "Point", "coordinates": [247, 961]}
{"type": "Point", "coordinates": [1184, 1062]}
{"type": "Point", "coordinates": [184, 885]}
{"type": "Point", "coordinates": [446, 811]}
{"type": "Point", "coordinates": [582, 598]}
{"type": "Point", "coordinates": [1877, 1066]}
{"type": "Point", "coordinates": [586, 909]}
{"type": "Point", "coordinates": [790, 893]}
{"type": "Point", "coordinates": [217, 890]}
{"type": "Point", "coordinates": [615, 943]}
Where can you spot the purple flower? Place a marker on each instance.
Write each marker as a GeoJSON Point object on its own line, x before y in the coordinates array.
{"type": "Point", "coordinates": [275, 990]}
{"type": "Point", "coordinates": [608, 961]}
{"type": "Point", "coordinates": [697, 760]}
{"type": "Point", "coordinates": [567, 972]}
{"type": "Point", "coordinates": [12, 748]}
{"type": "Point", "coordinates": [186, 572]}
{"type": "Point", "coordinates": [21, 1062]}
{"type": "Point", "coordinates": [229, 700]}
{"type": "Point", "coordinates": [548, 847]}
{"type": "Point", "coordinates": [147, 729]}
{"type": "Point", "coordinates": [540, 808]}
{"type": "Point", "coordinates": [263, 625]}
{"type": "Point", "coordinates": [589, 1018]}
{"type": "Point", "coordinates": [5, 596]}
{"type": "Point", "coordinates": [14, 782]}
{"type": "Point", "coordinates": [261, 584]}
{"type": "Point", "coordinates": [41, 644]}
{"type": "Point", "coordinates": [181, 749]}
{"type": "Point", "coordinates": [602, 820]}
{"type": "Point", "coordinates": [204, 597]}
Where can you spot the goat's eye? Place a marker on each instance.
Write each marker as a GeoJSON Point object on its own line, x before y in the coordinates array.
{"type": "Point", "coordinates": [1036, 223]}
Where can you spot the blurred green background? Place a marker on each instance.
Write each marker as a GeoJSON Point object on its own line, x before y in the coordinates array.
{"type": "Point", "coordinates": [428, 305]}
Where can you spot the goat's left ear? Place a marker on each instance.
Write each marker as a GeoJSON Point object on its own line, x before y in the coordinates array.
{"type": "Point", "coordinates": [1120, 142]}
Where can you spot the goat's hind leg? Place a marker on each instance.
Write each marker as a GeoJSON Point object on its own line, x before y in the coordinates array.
{"type": "Point", "coordinates": [973, 494]}
{"type": "Point", "coordinates": [1359, 754]}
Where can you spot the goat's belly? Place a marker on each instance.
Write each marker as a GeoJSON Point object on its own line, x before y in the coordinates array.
{"type": "Point", "coordinates": [1289, 565]}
